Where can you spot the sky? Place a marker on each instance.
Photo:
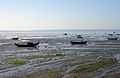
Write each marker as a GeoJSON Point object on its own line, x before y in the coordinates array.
{"type": "Point", "coordinates": [59, 14]}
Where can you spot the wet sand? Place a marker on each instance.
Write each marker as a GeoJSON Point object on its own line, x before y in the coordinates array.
{"type": "Point", "coordinates": [57, 58]}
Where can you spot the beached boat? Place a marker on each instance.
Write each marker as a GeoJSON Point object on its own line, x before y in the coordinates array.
{"type": "Point", "coordinates": [16, 38]}
{"type": "Point", "coordinates": [117, 34]}
{"type": "Point", "coordinates": [110, 34]}
{"type": "Point", "coordinates": [27, 44]}
{"type": "Point", "coordinates": [78, 42]}
{"type": "Point", "coordinates": [112, 38]}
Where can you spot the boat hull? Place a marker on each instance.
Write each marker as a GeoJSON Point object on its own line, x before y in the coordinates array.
{"type": "Point", "coordinates": [112, 38]}
{"type": "Point", "coordinates": [27, 45]}
{"type": "Point", "coordinates": [15, 38]}
{"type": "Point", "coordinates": [75, 42]}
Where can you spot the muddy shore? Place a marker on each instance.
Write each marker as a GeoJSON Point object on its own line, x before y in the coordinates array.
{"type": "Point", "coordinates": [57, 58]}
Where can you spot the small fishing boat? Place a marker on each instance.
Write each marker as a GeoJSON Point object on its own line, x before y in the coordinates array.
{"type": "Point", "coordinates": [79, 36]}
{"type": "Point", "coordinates": [112, 38]}
{"type": "Point", "coordinates": [78, 42]}
{"type": "Point", "coordinates": [110, 34]}
{"type": "Point", "coordinates": [65, 34]}
{"type": "Point", "coordinates": [16, 38]}
{"type": "Point", "coordinates": [27, 44]}
{"type": "Point", "coordinates": [117, 34]}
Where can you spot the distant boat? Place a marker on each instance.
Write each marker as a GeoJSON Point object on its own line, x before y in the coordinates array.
{"type": "Point", "coordinates": [16, 38]}
{"type": "Point", "coordinates": [117, 34]}
{"type": "Point", "coordinates": [79, 36]}
{"type": "Point", "coordinates": [112, 36]}
{"type": "Point", "coordinates": [27, 44]}
{"type": "Point", "coordinates": [78, 42]}
{"type": "Point", "coordinates": [65, 34]}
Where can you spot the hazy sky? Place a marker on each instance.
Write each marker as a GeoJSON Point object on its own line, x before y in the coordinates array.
{"type": "Point", "coordinates": [59, 14]}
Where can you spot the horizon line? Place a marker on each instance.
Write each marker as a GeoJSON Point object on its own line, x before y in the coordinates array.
{"type": "Point", "coordinates": [54, 29]}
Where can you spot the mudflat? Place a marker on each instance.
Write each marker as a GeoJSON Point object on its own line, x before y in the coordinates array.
{"type": "Point", "coordinates": [57, 58]}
